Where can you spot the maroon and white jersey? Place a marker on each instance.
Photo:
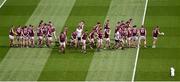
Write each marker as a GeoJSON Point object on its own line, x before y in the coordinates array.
{"type": "Point", "coordinates": [134, 32]}
{"type": "Point", "coordinates": [11, 32]}
{"type": "Point", "coordinates": [50, 31]}
{"type": "Point", "coordinates": [106, 26]}
{"type": "Point", "coordinates": [31, 32]}
{"type": "Point", "coordinates": [45, 29]}
{"type": "Point", "coordinates": [155, 32]}
{"type": "Point", "coordinates": [62, 37]}
{"type": "Point", "coordinates": [129, 33]}
{"type": "Point", "coordinates": [84, 35]}
{"type": "Point", "coordinates": [106, 33]}
{"type": "Point", "coordinates": [100, 35]}
{"type": "Point", "coordinates": [39, 31]}
{"type": "Point", "coordinates": [91, 35]}
{"type": "Point", "coordinates": [121, 32]}
{"type": "Point", "coordinates": [97, 28]}
{"type": "Point", "coordinates": [74, 35]}
{"type": "Point", "coordinates": [142, 31]}
{"type": "Point", "coordinates": [18, 31]}
{"type": "Point", "coordinates": [25, 32]}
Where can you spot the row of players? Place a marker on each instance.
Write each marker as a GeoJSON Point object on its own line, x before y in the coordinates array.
{"type": "Point", "coordinates": [24, 36]}
{"type": "Point", "coordinates": [125, 35]}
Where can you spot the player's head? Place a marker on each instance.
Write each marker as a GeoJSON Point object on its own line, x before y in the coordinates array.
{"type": "Point", "coordinates": [134, 26]}
{"type": "Point", "coordinates": [98, 23]}
{"type": "Point", "coordinates": [62, 32]}
{"type": "Point", "coordinates": [142, 26]}
{"type": "Point", "coordinates": [130, 19]}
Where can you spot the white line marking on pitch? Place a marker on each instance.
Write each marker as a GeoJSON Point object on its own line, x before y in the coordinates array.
{"type": "Point", "coordinates": [3, 3]}
{"type": "Point", "coordinates": [137, 53]}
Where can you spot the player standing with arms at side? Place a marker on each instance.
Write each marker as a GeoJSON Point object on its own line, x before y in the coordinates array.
{"type": "Point", "coordinates": [40, 35]}
{"type": "Point", "coordinates": [134, 36]}
{"type": "Point", "coordinates": [62, 42]}
{"type": "Point", "coordinates": [142, 35]}
{"type": "Point", "coordinates": [107, 32]}
{"type": "Point", "coordinates": [155, 34]}
{"type": "Point", "coordinates": [100, 39]}
{"type": "Point", "coordinates": [31, 36]}
{"type": "Point", "coordinates": [91, 38]}
{"type": "Point", "coordinates": [26, 37]}
{"type": "Point", "coordinates": [84, 37]}
{"type": "Point", "coordinates": [73, 39]}
{"type": "Point", "coordinates": [11, 36]}
{"type": "Point", "coordinates": [79, 34]}
{"type": "Point", "coordinates": [18, 36]}
{"type": "Point", "coordinates": [50, 34]}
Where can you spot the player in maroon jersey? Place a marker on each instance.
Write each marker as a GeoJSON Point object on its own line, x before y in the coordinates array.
{"type": "Point", "coordinates": [100, 39]}
{"type": "Point", "coordinates": [91, 38]}
{"type": "Point", "coordinates": [11, 36]}
{"type": "Point", "coordinates": [129, 36]}
{"type": "Point", "coordinates": [65, 32]}
{"type": "Point", "coordinates": [31, 36]}
{"type": "Point", "coordinates": [155, 34]}
{"type": "Point", "coordinates": [45, 31]}
{"type": "Point", "coordinates": [73, 39]}
{"type": "Point", "coordinates": [50, 34]}
{"type": "Point", "coordinates": [97, 27]}
{"type": "Point", "coordinates": [84, 37]}
{"type": "Point", "coordinates": [62, 42]}
{"type": "Point", "coordinates": [142, 34]}
{"type": "Point", "coordinates": [107, 38]}
{"type": "Point", "coordinates": [25, 37]}
{"type": "Point", "coordinates": [40, 35]}
{"type": "Point", "coordinates": [134, 36]}
{"type": "Point", "coordinates": [18, 36]}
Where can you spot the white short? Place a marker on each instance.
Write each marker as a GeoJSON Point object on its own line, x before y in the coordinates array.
{"type": "Point", "coordinates": [49, 38]}
{"type": "Point", "coordinates": [32, 38]}
{"type": "Point", "coordinates": [155, 38]}
{"type": "Point", "coordinates": [129, 38]}
{"type": "Point", "coordinates": [92, 40]}
{"type": "Point", "coordinates": [11, 37]}
{"type": "Point", "coordinates": [62, 44]}
{"type": "Point", "coordinates": [135, 38]}
{"type": "Point", "coordinates": [100, 41]}
{"type": "Point", "coordinates": [25, 37]}
{"type": "Point", "coordinates": [107, 39]}
{"type": "Point", "coordinates": [83, 41]}
{"type": "Point", "coordinates": [142, 37]}
{"type": "Point", "coordinates": [40, 37]}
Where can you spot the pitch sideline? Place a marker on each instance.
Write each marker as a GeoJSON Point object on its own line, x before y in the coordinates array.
{"type": "Point", "coordinates": [3, 3]}
{"type": "Point", "coordinates": [105, 65]}
{"type": "Point", "coordinates": [137, 53]}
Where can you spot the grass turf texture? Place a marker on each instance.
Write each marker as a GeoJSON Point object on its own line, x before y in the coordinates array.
{"type": "Point", "coordinates": [74, 65]}
{"type": "Point", "coordinates": [154, 64]}
{"type": "Point", "coordinates": [10, 15]}
{"type": "Point", "coordinates": [117, 65]}
{"type": "Point", "coordinates": [43, 11]}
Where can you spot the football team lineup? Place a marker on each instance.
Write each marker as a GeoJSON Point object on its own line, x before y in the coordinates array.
{"type": "Point", "coordinates": [89, 40]}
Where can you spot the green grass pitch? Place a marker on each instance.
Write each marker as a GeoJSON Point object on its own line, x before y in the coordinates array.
{"type": "Point", "coordinates": [20, 64]}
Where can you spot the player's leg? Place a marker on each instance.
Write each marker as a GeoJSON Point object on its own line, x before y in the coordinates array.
{"type": "Point", "coordinates": [154, 42]}
{"type": "Point", "coordinates": [32, 42]}
{"type": "Point", "coordinates": [11, 38]}
{"type": "Point", "coordinates": [145, 42]}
